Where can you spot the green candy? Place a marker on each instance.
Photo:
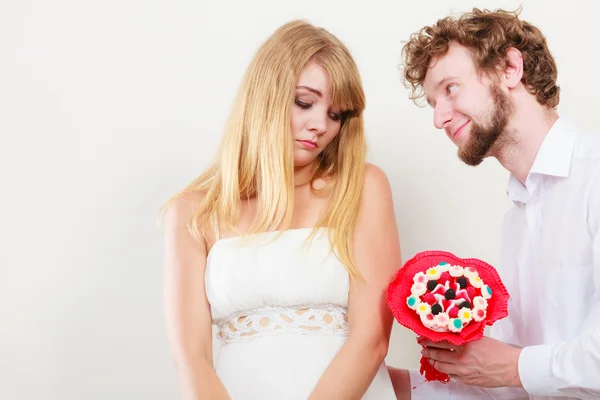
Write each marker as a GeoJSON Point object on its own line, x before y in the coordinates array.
{"type": "Point", "coordinates": [411, 301]}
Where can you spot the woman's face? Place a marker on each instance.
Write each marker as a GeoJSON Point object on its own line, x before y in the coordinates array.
{"type": "Point", "coordinates": [315, 121]}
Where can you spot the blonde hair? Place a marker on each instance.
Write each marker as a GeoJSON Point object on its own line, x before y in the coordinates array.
{"type": "Point", "coordinates": [256, 155]}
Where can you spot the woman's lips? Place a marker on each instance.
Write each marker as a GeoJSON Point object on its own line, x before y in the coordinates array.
{"type": "Point", "coordinates": [309, 144]}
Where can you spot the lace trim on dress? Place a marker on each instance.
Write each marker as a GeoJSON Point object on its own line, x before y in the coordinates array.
{"type": "Point", "coordinates": [248, 325]}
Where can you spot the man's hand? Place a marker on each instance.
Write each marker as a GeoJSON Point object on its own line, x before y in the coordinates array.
{"type": "Point", "coordinates": [486, 362]}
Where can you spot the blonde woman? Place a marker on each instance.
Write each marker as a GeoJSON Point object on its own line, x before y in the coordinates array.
{"type": "Point", "coordinates": [286, 243]}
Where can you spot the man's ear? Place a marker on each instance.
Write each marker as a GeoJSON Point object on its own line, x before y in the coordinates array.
{"type": "Point", "coordinates": [513, 69]}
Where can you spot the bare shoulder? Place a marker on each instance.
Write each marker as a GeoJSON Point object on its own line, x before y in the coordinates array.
{"type": "Point", "coordinates": [175, 223]}
{"type": "Point", "coordinates": [182, 244]}
{"type": "Point", "coordinates": [376, 184]}
{"type": "Point", "coordinates": [180, 210]}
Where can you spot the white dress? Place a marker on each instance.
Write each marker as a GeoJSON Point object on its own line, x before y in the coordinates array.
{"type": "Point", "coordinates": [280, 309]}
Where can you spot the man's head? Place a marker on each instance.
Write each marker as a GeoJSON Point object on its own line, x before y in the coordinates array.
{"type": "Point", "coordinates": [472, 68]}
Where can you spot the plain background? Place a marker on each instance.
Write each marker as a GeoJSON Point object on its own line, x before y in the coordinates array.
{"type": "Point", "coordinates": [109, 107]}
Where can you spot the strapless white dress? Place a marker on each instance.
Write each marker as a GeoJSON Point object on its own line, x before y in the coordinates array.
{"type": "Point", "coordinates": [280, 311]}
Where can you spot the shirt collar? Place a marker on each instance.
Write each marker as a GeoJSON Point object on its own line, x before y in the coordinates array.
{"type": "Point", "coordinates": [553, 159]}
{"type": "Point", "coordinates": [554, 156]}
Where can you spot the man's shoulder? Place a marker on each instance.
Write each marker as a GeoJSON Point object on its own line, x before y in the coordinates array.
{"type": "Point", "coordinates": [585, 167]}
{"type": "Point", "coordinates": [587, 145]}
{"type": "Point", "coordinates": [585, 162]}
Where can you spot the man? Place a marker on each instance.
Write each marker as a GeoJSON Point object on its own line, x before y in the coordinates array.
{"type": "Point", "coordinates": [491, 82]}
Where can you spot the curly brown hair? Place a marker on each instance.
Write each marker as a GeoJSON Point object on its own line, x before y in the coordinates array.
{"type": "Point", "coordinates": [488, 35]}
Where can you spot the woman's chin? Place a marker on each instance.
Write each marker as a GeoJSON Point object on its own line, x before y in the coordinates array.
{"type": "Point", "coordinates": [302, 160]}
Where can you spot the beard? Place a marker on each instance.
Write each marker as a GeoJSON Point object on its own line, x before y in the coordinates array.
{"type": "Point", "coordinates": [484, 136]}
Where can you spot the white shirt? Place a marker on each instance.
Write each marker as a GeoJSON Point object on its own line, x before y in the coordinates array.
{"type": "Point", "coordinates": [550, 264]}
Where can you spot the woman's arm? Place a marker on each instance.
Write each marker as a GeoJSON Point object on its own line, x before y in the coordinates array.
{"type": "Point", "coordinates": [187, 311]}
{"type": "Point", "coordinates": [377, 254]}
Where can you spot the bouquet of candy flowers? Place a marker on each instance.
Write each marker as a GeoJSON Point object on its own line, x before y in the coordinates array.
{"type": "Point", "coordinates": [442, 297]}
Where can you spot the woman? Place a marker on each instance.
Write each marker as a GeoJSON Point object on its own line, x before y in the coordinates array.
{"type": "Point", "coordinates": [288, 240]}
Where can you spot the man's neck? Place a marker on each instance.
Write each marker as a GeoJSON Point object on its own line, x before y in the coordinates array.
{"type": "Point", "coordinates": [525, 133]}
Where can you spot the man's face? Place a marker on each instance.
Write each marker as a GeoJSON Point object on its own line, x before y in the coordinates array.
{"type": "Point", "coordinates": [471, 108]}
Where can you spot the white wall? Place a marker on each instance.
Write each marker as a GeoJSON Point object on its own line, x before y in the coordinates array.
{"type": "Point", "coordinates": [109, 107]}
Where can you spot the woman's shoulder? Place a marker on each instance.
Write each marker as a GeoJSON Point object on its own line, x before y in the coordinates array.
{"type": "Point", "coordinates": [376, 180]}
{"type": "Point", "coordinates": [179, 210]}
{"type": "Point", "coordinates": [377, 203]}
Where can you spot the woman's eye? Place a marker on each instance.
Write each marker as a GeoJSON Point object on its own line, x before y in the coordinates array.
{"type": "Point", "coordinates": [302, 104]}
{"type": "Point", "coordinates": [452, 88]}
{"type": "Point", "coordinates": [335, 116]}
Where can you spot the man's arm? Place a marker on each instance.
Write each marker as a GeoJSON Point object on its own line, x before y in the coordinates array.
{"type": "Point", "coordinates": [570, 368]}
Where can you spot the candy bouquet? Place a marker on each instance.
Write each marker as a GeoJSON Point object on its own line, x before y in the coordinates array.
{"type": "Point", "coordinates": [442, 297]}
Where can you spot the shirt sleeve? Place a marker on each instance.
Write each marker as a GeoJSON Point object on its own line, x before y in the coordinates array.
{"type": "Point", "coordinates": [570, 368]}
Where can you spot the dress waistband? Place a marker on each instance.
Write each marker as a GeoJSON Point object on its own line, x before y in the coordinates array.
{"type": "Point", "coordinates": [313, 319]}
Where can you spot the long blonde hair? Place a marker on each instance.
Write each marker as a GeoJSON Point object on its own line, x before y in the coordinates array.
{"type": "Point", "coordinates": [255, 159]}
